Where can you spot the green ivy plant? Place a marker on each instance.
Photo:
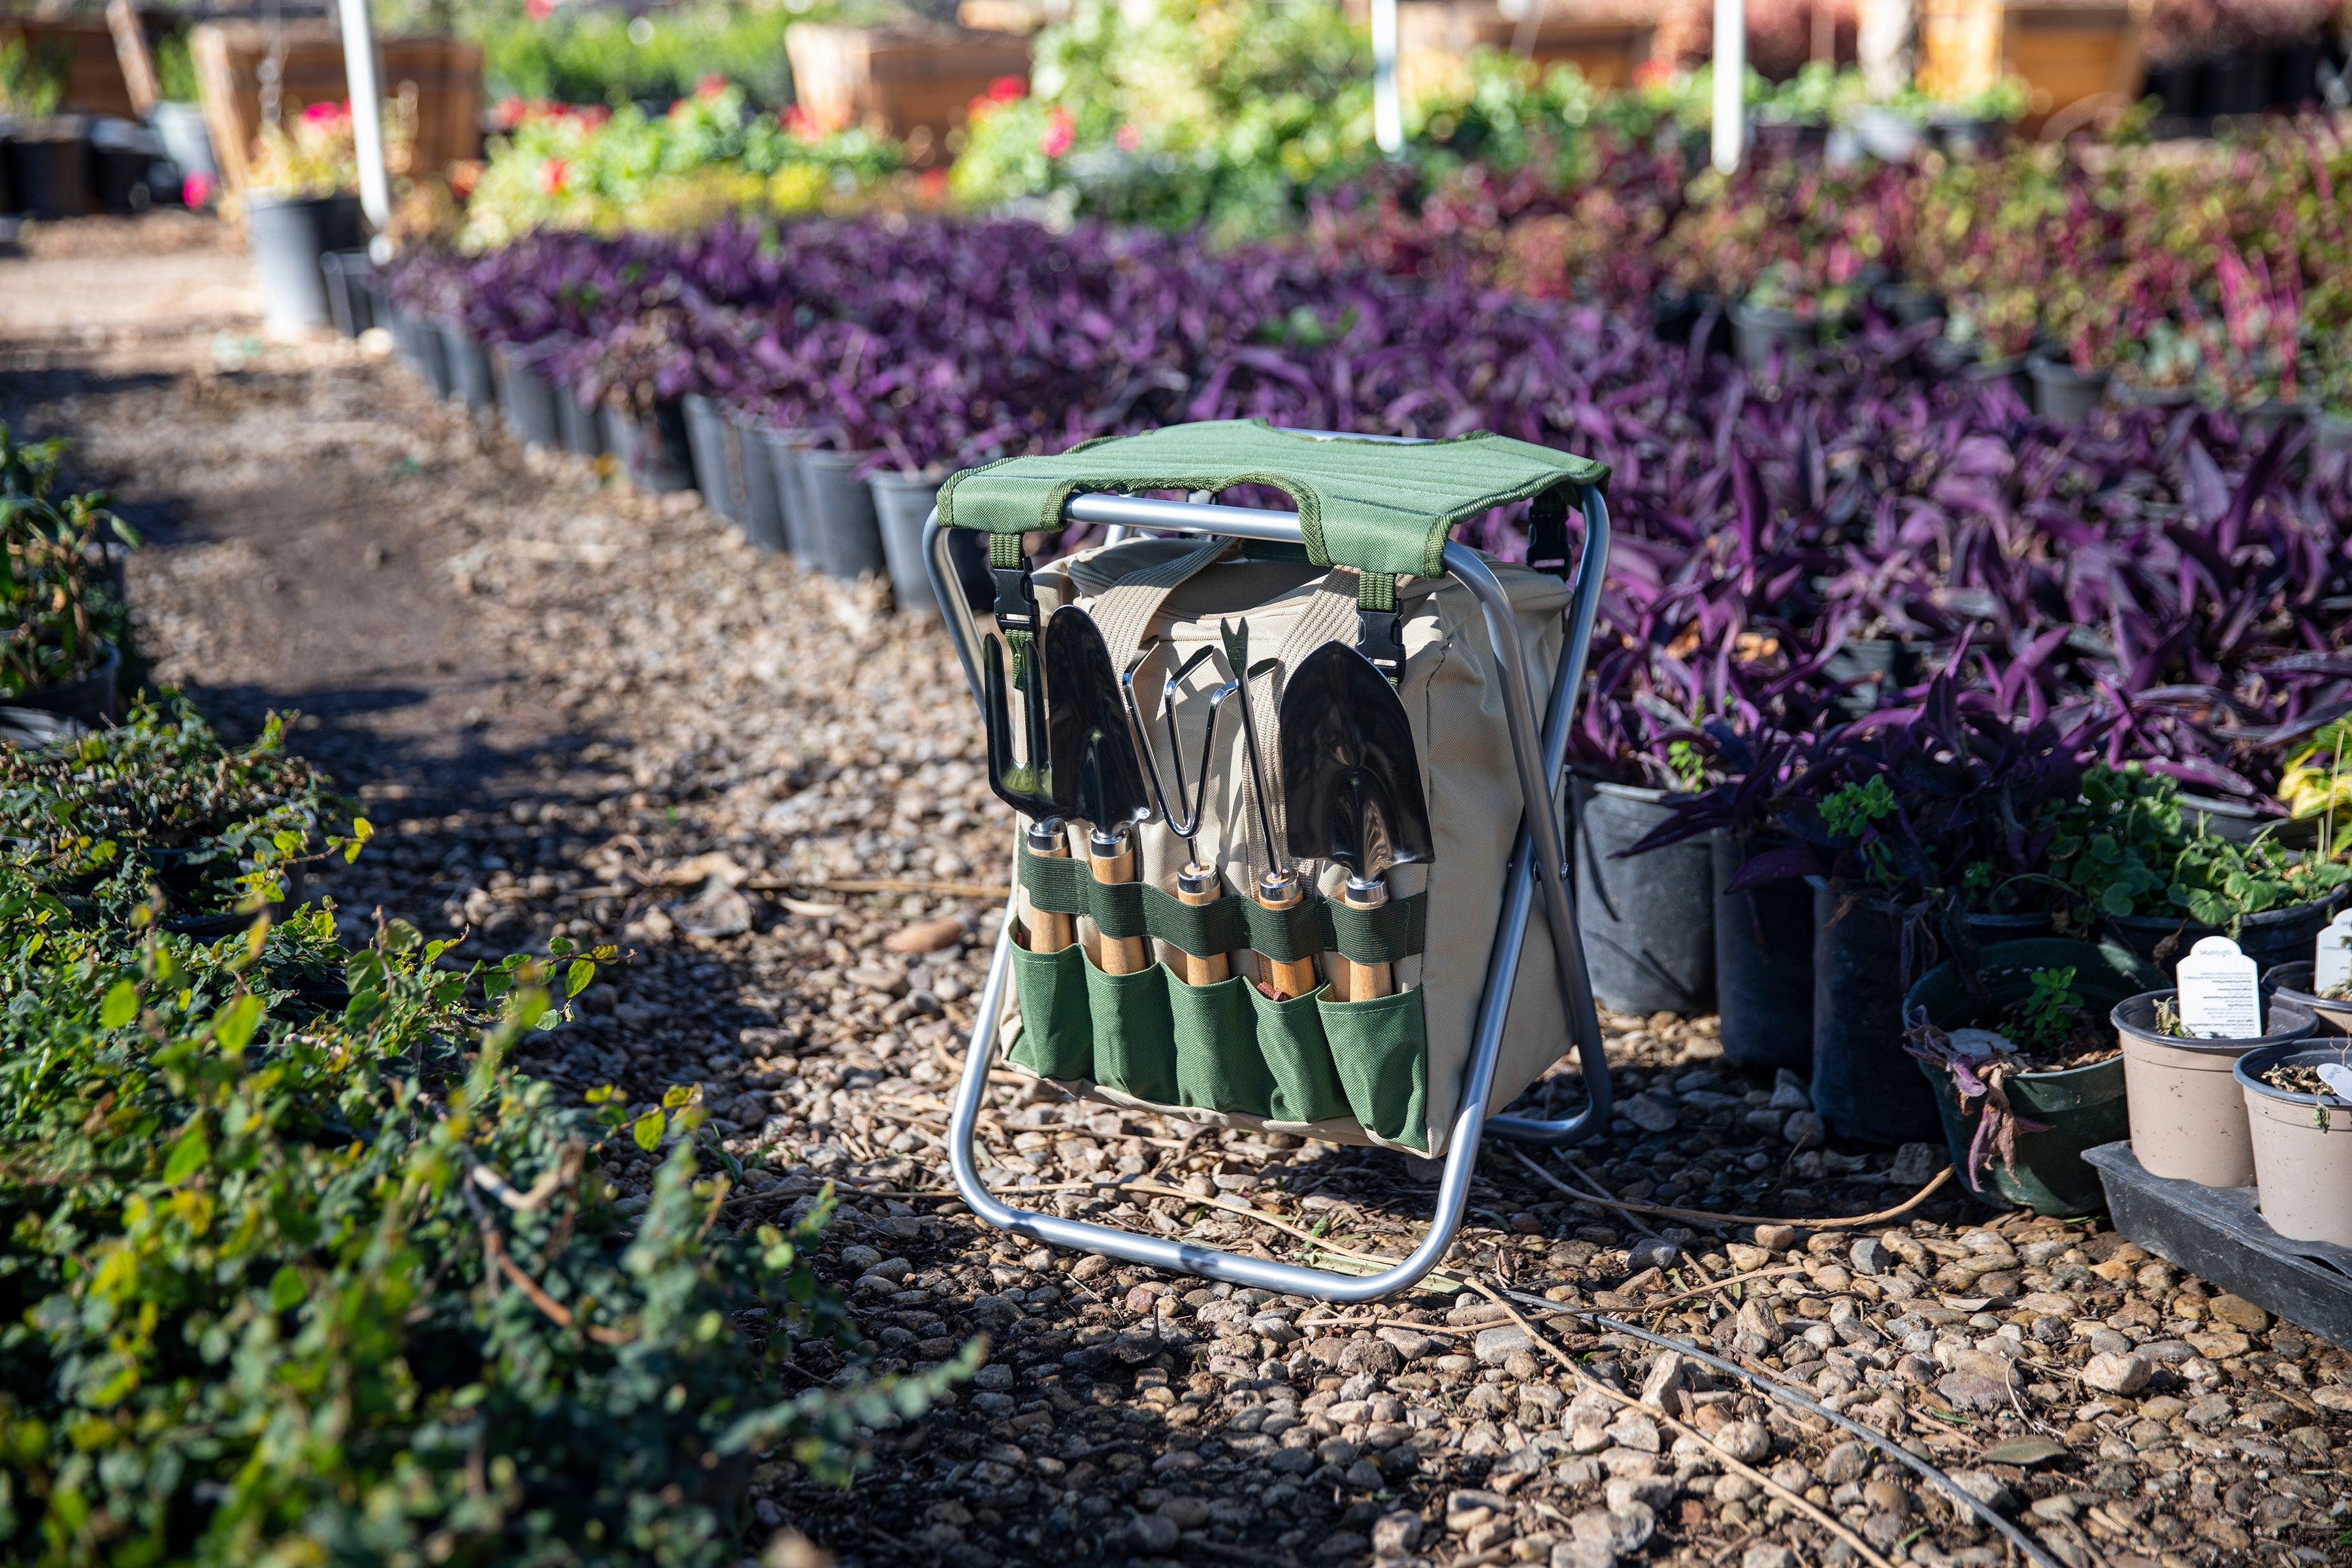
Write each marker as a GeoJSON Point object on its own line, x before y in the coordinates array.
{"type": "Point", "coordinates": [294, 1282]}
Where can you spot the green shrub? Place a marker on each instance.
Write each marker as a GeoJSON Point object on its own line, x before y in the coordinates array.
{"type": "Point", "coordinates": [175, 69]}
{"type": "Point", "coordinates": [596, 55]}
{"type": "Point", "coordinates": [57, 608]}
{"type": "Point", "coordinates": [306, 1273]}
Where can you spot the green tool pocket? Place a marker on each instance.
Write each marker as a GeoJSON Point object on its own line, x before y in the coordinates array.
{"type": "Point", "coordinates": [1226, 1048]}
{"type": "Point", "coordinates": [1298, 1058]}
{"type": "Point", "coordinates": [1218, 1067]}
{"type": "Point", "coordinates": [1056, 1040]}
{"type": "Point", "coordinates": [1381, 1051]}
{"type": "Point", "coordinates": [1134, 1038]}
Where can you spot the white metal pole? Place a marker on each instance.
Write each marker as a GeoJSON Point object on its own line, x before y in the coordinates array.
{"type": "Point", "coordinates": [1387, 112]}
{"type": "Point", "coordinates": [364, 80]}
{"type": "Point", "coordinates": [1731, 83]}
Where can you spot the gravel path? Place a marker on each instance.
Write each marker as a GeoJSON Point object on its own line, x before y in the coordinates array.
{"type": "Point", "coordinates": [573, 711]}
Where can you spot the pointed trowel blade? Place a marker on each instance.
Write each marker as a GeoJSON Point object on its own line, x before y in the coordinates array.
{"type": "Point", "coordinates": [1350, 776]}
{"type": "Point", "coordinates": [1097, 776]}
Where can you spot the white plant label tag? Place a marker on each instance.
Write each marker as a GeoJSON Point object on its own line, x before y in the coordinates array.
{"type": "Point", "coordinates": [2338, 1078]}
{"type": "Point", "coordinates": [2219, 997]}
{"type": "Point", "coordinates": [2332, 963]}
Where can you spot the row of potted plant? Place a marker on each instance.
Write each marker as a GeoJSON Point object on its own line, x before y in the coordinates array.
{"type": "Point", "coordinates": [68, 625]}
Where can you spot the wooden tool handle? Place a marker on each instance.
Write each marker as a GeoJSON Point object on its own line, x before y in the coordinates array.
{"type": "Point", "coordinates": [1296, 977]}
{"type": "Point", "coordinates": [1121, 954]}
{"type": "Point", "coordinates": [1353, 982]}
{"type": "Point", "coordinates": [1217, 966]}
{"type": "Point", "coordinates": [1049, 932]}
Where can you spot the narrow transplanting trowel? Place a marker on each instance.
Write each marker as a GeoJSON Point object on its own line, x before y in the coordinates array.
{"type": "Point", "coordinates": [1097, 777]}
{"type": "Point", "coordinates": [1352, 787]}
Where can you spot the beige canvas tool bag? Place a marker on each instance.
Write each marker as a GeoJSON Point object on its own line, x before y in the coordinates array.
{"type": "Point", "coordinates": [1387, 1071]}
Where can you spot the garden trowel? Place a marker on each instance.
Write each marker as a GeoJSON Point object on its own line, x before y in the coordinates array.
{"type": "Point", "coordinates": [1026, 783]}
{"type": "Point", "coordinates": [1352, 787]}
{"type": "Point", "coordinates": [1097, 776]}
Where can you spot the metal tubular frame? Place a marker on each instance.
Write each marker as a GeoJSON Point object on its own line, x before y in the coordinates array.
{"type": "Point", "coordinates": [1537, 858]}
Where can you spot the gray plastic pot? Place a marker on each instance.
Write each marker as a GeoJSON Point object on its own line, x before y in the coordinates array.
{"type": "Point", "coordinates": [94, 700]}
{"type": "Point", "coordinates": [1864, 1085]}
{"type": "Point", "coordinates": [2187, 1123]}
{"type": "Point", "coordinates": [651, 446]}
{"type": "Point", "coordinates": [902, 504]}
{"type": "Point", "coordinates": [187, 140]}
{"type": "Point", "coordinates": [707, 437]}
{"type": "Point", "coordinates": [420, 347]}
{"type": "Point", "coordinates": [1648, 920]}
{"type": "Point", "coordinates": [468, 367]}
{"type": "Point", "coordinates": [289, 237]}
{"type": "Point", "coordinates": [2272, 937]}
{"type": "Point", "coordinates": [2291, 982]}
{"type": "Point", "coordinates": [529, 401]}
{"type": "Point", "coordinates": [2063, 394]}
{"type": "Point", "coordinates": [785, 448]}
{"type": "Point", "coordinates": [848, 538]}
{"type": "Point", "coordinates": [351, 291]}
{"type": "Point", "coordinates": [2302, 1146]}
{"type": "Point", "coordinates": [1761, 332]}
{"type": "Point", "coordinates": [1763, 966]}
{"type": "Point", "coordinates": [764, 516]}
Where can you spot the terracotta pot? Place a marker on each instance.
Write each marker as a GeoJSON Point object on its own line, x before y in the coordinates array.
{"type": "Point", "coordinates": [2291, 983]}
{"type": "Point", "coordinates": [2185, 1122]}
{"type": "Point", "coordinates": [2302, 1146]}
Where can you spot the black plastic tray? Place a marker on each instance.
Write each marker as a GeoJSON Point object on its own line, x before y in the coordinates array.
{"type": "Point", "coordinates": [2217, 1234]}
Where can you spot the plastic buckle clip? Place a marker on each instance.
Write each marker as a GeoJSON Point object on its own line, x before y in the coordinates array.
{"type": "Point", "coordinates": [1016, 598]}
{"type": "Point", "coordinates": [1547, 534]}
{"type": "Point", "coordinates": [1380, 637]}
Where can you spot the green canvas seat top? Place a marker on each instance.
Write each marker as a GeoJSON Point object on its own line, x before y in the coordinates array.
{"type": "Point", "coordinates": [1378, 506]}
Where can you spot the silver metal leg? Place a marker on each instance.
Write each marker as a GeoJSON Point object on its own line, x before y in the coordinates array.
{"type": "Point", "coordinates": [1536, 857]}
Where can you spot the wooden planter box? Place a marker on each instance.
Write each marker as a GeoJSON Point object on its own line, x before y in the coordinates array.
{"type": "Point", "coordinates": [445, 75]}
{"type": "Point", "coordinates": [1434, 37]}
{"type": "Point", "coordinates": [913, 82]}
{"type": "Point", "coordinates": [94, 78]}
{"type": "Point", "coordinates": [2081, 59]}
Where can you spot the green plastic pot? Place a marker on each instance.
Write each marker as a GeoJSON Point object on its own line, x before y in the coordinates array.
{"type": "Point", "coordinates": [2083, 1107]}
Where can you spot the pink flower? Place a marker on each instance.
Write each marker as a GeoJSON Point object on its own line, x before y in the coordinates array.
{"type": "Point", "coordinates": [1129, 139]}
{"type": "Point", "coordinates": [1061, 132]}
{"type": "Point", "coordinates": [711, 86]}
{"type": "Point", "coordinates": [1005, 88]}
{"type": "Point", "coordinates": [196, 189]}
{"type": "Point", "coordinates": [551, 175]}
{"type": "Point", "coordinates": [538, 10]}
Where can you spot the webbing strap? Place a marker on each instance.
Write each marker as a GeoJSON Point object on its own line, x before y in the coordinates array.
{"type": "Point", "coordinates": [1125, 609]}
{"type": "Point", "coordinates": [1064, 885]}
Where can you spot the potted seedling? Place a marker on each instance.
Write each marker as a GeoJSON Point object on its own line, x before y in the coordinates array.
{"type": "Point", "coordinates": [2299, 1107]}
{"type": "Point", "coordinates": [2025, 1072]}
{"type": "Point", "coordinates": [303, 203]}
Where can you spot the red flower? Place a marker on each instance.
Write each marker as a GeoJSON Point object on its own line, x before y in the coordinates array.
{"type": "Point", "coordinates": [1061, 132]}
{"type": "Point", "coordinates": [801, 123]}
{"type": "Point", "coordinates": [711, 86]}
{"type": "Point", "coordinates": [551, 175]}
{"type": "Point", "coordinates": [538, 10]}
{"type": "Point", "coordinates": [1005, 88]}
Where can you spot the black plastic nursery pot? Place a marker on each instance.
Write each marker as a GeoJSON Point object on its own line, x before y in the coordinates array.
{"type": "Point", "coordinates": [841, 514]}
{"type": "Point", "coordinates": [1648, 920]}
{"type": "Point", "coordinates": [289, 237]}
{"type": "Point", "coordinates": [527, 399]}
{"type": "Point", "coordinates": [1864, 1087]}
{"type": "Point", "coordinates": [785, 448]}
{"type": "Point", "coordinates": [1762, 332]}
{"type": "Point", "coordinates": [1763, 965]}
{"type": "Point", "coordinates": [470, 377]}
{"type": "Point", "coordinates": [1911, 305]}
{"type": "Point", "coordinates": [95, 700]}
{"type": "Point", "coordinates": [2291, 984]}
{"type": "Point", "coordinates": [902, 504]}
{"type": "Point", "coordinates": [707, 439]}
{"type": "Point", "coordinates": [118, 178]}
{"type": "Point", "coordinates": [2082, 1106]}
{"type": "Point", "coordinates": [351, 291]}
{"type": "Point", "coordinates": [50, 169]}
{"type": "Point", "coordinates": [1675, 318]}
{"type": "Point", "coordinates": [2273, 937]}
{"type": "Point", "coordinates": [651, 445]}
{"type": "Point", "coordinates": [764, 514]}
{"type": "Point", "coordinates": [2063, 394]}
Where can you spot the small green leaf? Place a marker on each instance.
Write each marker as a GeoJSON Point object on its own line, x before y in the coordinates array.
{"type": "Point", "coordinates": [675, 1095]}
{"type": "Point", "coordinates": [286, 1289]}
{"type": "Point", "coordinates": [578, 977]}
{"type": "Point", "coordinates": [649, 1130]}
{"type": "Point", "coordinates": [236, 1023]}
{"type": "Point", "coordinates": [121, 1007]}
{"type": "Point", "coordinates": [190, 1155]}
